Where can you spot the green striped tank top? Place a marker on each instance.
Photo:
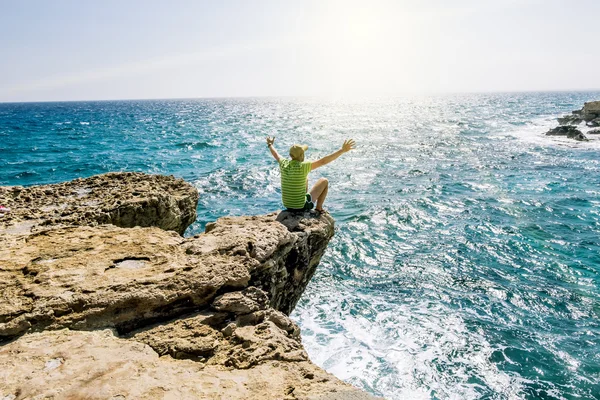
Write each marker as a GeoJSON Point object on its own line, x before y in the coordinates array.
{"type": "Point", "coordinates": [294, 182]}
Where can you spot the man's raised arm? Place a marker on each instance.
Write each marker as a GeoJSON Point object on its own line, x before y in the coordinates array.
{"type": "Point", "coordinates": [274, 153]}
{"type": "Point", "coordinates": [346, 147]}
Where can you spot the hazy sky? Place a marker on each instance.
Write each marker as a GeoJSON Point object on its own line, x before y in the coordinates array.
{"type": "Point", "coordinates": [75, 50]}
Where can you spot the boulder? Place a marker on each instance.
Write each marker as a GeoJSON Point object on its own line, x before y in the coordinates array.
{"type": "Point", "coordinates": [565, 130]}
{"type": "Point", "coordinates": [590, 110]}
{"type": "Point", "coordinates": [591, 107]}
{"type": "Point", "coordinates": [593, 123]}
{"type": "Point", "coordinates": [570, 120]}
{"type": "Point", "coordinates": [230, 339]}
{"type": "Point", "coordinates": [242, 302]}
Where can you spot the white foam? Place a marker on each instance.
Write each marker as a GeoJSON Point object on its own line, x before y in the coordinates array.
{"type": "Point", "coordinates": [535, 132]}
{"type": "Point", "coordinates": [411, 350]}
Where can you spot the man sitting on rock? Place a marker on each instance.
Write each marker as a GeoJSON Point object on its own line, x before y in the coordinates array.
{"type": "Point", "coordinates": [294, 176]}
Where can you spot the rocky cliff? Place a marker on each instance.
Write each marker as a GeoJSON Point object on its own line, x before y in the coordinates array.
{"type": "Point", "coordinates": [102, 298]}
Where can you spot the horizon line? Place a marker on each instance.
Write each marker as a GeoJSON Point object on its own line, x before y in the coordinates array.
{"type": "Point", "coordinates": [310, 96]}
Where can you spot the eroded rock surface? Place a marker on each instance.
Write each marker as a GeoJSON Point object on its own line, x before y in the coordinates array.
{"type": "Point", "coordinates": [105, 276]}
{"type": "Point", "coordinates": [95, 277]}
{"type": "Point", "coordinates": [98, 365]}
{"type": "Point", "coordinates": [124, 199]}
{"type": "Point", "coordinates": [92, 308]}
{"type": "Point", "coordinates": [286, 246]}
{"type": "Point", "coordinates": [591, 110]}
{"type": "Point", "coordinates": [239, 331]}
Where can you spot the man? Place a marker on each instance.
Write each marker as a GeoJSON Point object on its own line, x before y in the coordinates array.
{"type": "Point", "coordinates": [294, 176]}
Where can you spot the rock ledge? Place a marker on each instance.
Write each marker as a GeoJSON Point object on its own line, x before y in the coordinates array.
{"type": "Point", "coordinates": [101, 298]}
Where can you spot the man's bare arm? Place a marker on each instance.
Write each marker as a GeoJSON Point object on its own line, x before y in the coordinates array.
{"type": "Point", "coordinates": [346, 147]}
{"type": "Point", "coordinates": [274, 153]}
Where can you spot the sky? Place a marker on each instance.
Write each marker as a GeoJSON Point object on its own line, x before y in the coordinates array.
{"type": "Point", "coordinates": [126, 49]}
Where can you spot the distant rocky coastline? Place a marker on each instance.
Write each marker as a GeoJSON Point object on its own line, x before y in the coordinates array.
{"type": "Point", "coordinates": [588, 116]}
{"type": "Point", "coordinates": [102, 298]}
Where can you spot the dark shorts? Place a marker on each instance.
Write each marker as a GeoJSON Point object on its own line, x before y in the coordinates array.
{"type": "Point", "coordinates": [309, 205]}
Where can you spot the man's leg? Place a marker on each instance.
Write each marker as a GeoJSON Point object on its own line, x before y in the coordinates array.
{"type": "Point", "coordinates": [319, 192]}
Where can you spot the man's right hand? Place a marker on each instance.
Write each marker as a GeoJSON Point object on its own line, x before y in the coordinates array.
{"type": "Point", "coordinates": [348, 145]}
{"type": "Point", "coordinates": [270, 140]}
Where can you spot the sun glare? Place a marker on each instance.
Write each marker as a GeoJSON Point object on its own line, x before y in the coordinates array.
{"type": "Point", "coordinates": [358, 47]}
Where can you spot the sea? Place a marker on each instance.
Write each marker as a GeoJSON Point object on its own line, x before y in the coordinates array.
{"type": "Point", "coordinates": [466, 256]}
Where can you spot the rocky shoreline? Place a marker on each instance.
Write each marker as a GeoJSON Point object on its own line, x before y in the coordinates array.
{"type": "Point", "coordinates": [102, 298]}
{"type": "Point", "coordinates": [570, 125]}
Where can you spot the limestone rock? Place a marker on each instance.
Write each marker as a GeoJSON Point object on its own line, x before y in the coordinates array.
{"type": "Point", "coordinates": [591, 110]}
{"type": "Point", "coordinates": [254, 344]}
{"type": "Point", "coordinates": [285, 248]}
{"type": "Point", "coordinates": [242, 302]}
{"type": "Point", "coordinates": [105, 276]}
{"type": "Point", "coordinates": [98, 277]}
{"type": "Point", "coordinates": [283, 322]}
{"type": "Point", "coordinates": [124, 199]}
{"type": "Point", "coordinates": [193, 337]}
{"type": "Point", "coordinates": [211, 338]}
{"type": "Point", "coordinates": [94, 365]}
{"type": "Point", "coordinates": [592, 107]}
{"type": "Point", "coordinates": [202, 317]}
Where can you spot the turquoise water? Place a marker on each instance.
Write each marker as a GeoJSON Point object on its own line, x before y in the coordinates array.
{"type": "Point", "coordinates": [466, 259]}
